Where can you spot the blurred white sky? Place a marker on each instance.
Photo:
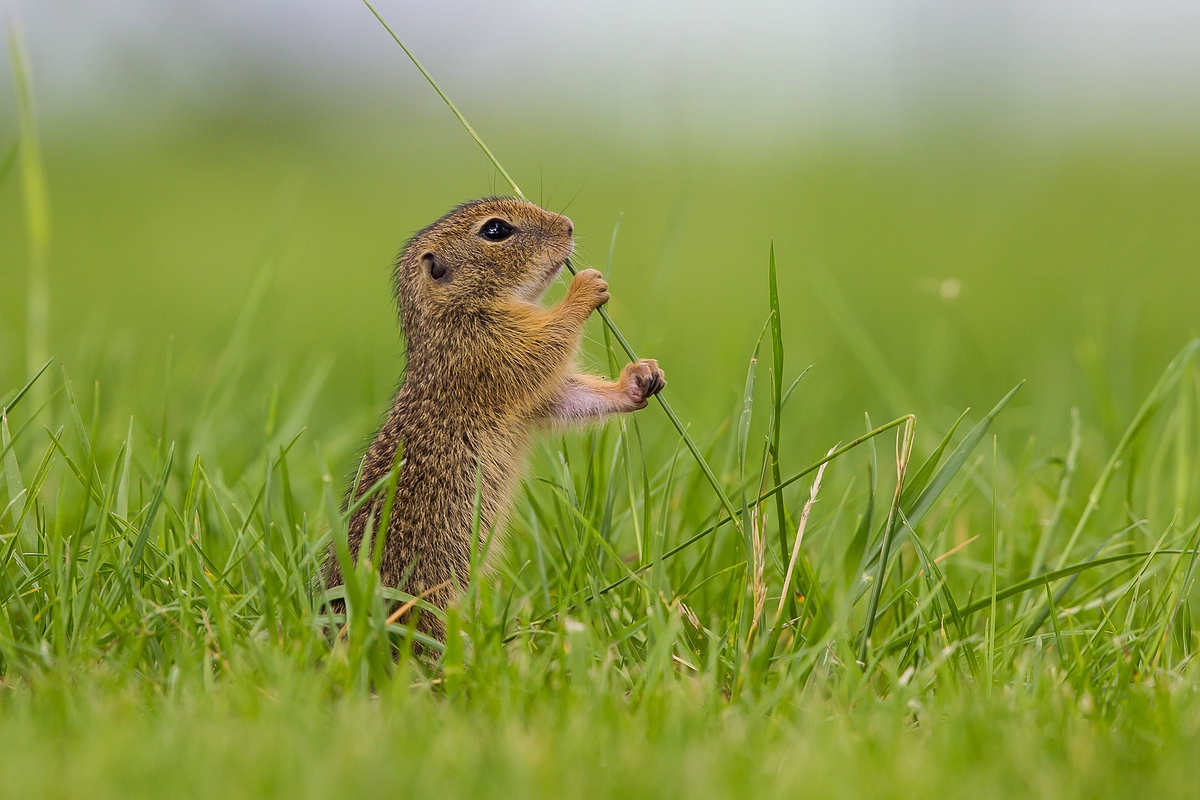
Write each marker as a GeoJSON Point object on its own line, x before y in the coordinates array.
{"type": "Point", "coordinates": [753, 64]}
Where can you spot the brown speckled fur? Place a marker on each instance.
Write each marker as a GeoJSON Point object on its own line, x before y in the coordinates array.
{"type": "Point", "coordinates": [486, 367]}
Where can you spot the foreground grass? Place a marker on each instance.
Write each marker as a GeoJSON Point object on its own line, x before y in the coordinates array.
{"type": "Point", "coordinates": [287, 742]}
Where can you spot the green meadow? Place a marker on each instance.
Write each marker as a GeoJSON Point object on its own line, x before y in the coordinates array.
{"type": "Point", "coordinates": [992, 596]}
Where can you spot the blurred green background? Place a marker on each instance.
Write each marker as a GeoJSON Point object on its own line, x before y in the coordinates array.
{"type": "Point", "coordinates": [923, 271]}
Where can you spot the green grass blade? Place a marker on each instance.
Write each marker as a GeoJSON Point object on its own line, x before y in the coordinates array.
{"type": "Point", "coordinates": [160, 490]}
{"type": "Point", "coordinates": [122, 505]}
{"type": "Point", "coordinates": [1168, 379]}
{"type": "Point", "coordinates": [924, 475]}
{"type": "Point", "coordinates": [1063, 495]}
{"type": "Point", "coordinates": [37, 206]}
{"type": "Point", "coordinates": [11, 404]}
{"type": "Point", "coordinates": [903, 453]}
{"type": "Point", "coordinates": [935, 576]}
{"type": "Point", "coordinates": [463, 120]}
{"type": "Point", "coordinates": [929, 495]}
{"type": "Point", "coordinates": [777, 402]}
{"type": "Point", "coordinates": [1065, 572]}
{"type": "Point", "coordinates": [743, 434]}
{"type": "Point", "coordinates": [853, 562]}
{"type": "Point", "coordinates": [16, 491]}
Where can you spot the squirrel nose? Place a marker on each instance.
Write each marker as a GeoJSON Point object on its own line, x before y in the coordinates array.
{"type": "Point", "coordinates": [570, 226]}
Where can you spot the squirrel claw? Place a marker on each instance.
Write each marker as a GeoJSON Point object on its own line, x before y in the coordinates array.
{"type": "Point", "coordinates": [590, 285]}
{"type": "Point", "coordinates": [657, 383]}
{"type": "Point", "coordinates": [643, 379]}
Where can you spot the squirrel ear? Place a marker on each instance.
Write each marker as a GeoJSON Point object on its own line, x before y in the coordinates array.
{"type": "Point", "coordinates": [436, 269]}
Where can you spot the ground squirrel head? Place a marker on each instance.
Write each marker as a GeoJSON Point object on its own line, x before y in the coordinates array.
{"type": "Point", "coordinates": [482, 251]}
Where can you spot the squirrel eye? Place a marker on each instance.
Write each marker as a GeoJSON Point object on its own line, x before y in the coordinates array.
{"type": "Point", "coordinates": [496, 230]}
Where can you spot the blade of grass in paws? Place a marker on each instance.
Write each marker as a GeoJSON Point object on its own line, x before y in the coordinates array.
{"type": "Point", "coordinates": [709, 475]}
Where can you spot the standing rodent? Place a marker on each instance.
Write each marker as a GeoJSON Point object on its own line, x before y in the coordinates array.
{"type": "Point", "coordinates": [486, 367]}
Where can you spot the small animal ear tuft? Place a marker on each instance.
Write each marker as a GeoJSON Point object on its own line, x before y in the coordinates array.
{"type": "Point", "coordinates": [436, 269]}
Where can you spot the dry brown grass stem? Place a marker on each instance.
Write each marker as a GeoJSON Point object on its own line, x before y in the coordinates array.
{"type": "Point", "coordinates": [812, 499]}
{"type": "Point", "coordinates": [411, 604]}
{"type": "Point", "coordinates": [759, 556]}
{"type": "Point", "coordinates": [402, 610]}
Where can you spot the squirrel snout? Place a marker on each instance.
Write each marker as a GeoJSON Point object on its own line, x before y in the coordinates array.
{"type": "Point", "coordinates": [570, 225]}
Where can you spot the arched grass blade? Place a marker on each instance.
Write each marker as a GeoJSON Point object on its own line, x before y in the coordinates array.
{"type": "Point", "coordinates": [1168, 379]}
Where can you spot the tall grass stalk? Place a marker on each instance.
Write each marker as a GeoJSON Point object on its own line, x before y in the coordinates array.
{"type": "Point", "coordinates": [37, 212]}
{"type": "Point", "coordinates": [609, 324]}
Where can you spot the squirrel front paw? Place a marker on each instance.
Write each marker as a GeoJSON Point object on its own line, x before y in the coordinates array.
{"type": "Point", "coordinates": [642, 380]}
{"type": "Point", "coordinates": [590, 288]}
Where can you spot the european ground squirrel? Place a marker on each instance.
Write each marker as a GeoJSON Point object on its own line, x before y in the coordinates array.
{"type": "Point", "coordinates": [487, 367]}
